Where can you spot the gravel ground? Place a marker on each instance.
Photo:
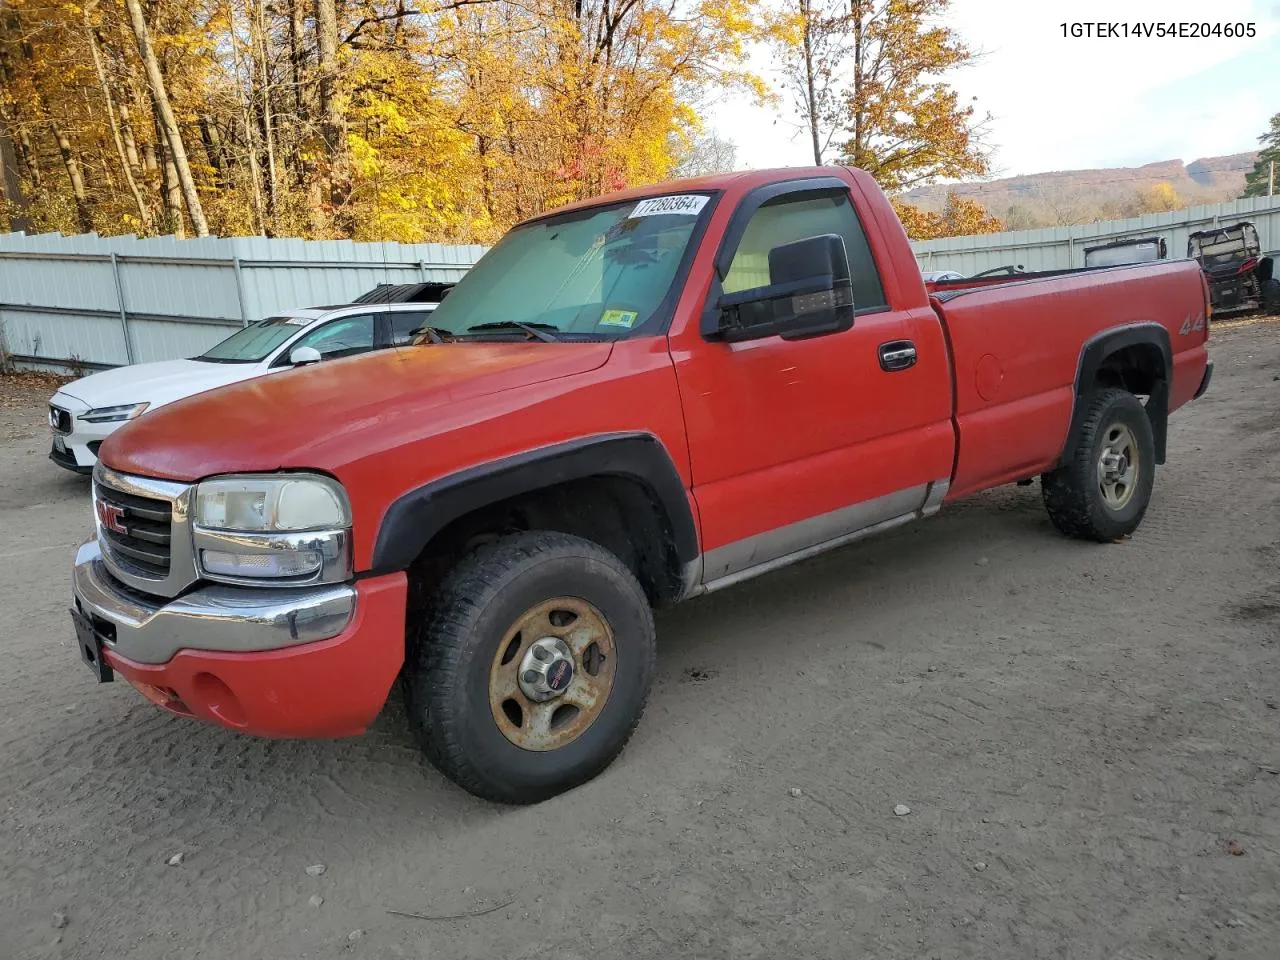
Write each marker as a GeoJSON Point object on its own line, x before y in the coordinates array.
{"type": "Point", "coordinates": [1087, 738]}
{"type": "Point", "coordinates": [24, 407]}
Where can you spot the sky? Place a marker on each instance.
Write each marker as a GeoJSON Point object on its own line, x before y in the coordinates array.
{"type": "Point", "coordinates": [1063, 103]}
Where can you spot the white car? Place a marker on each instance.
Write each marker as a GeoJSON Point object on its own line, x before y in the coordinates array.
{"type": "Point", "coordinates": [83, 413]}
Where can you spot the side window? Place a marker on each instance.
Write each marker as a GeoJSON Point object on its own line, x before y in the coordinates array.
{"type": "Point", "coordinates": [403, 324]}
{"type": "Point", "coordinates": [340, 338]}
{"type": "Point", "coordinates": [797, 217]}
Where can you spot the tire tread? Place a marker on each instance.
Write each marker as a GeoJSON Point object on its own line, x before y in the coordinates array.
{"type": "Point", "coordinates": [444, 636]}
{"type": "Point", "coordinates": [1068, 490]}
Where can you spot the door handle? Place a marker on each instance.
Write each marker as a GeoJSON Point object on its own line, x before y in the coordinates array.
{"type": "Point", "coordinates": [897, 355]}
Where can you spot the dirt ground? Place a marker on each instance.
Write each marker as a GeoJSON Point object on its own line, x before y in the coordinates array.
{"type": "Point", "coordinates": [1087, 737]}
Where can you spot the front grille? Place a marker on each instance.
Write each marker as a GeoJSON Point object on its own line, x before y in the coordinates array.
{"type": "Point", "coordinates": [59, 419]}
{"type": "Point", "coordinates": [137, 530]}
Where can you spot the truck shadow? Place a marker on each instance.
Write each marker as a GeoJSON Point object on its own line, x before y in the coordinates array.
{"type": "Point", "coordinates": [226, 781]}
{"type": "Point", "coordinates": [955, 545]}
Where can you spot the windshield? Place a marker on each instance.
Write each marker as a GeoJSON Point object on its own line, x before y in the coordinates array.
{"type": "Point", "coordinates": [1144, 252]}
{"type": "Point", "coordinates": [593, 274]}
{"type": "Point", "coordinates": [1224, 247]}
{"type": "Point", "coordinates": [256, 341]}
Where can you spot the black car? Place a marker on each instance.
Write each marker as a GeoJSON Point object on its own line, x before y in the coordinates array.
{"type": "Point", "coordinates": [426, 292]}
{"type": "Point", "coordinates": [1240, 278]}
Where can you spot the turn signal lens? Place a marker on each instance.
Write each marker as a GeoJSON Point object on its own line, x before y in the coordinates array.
{"type": "Point", "coordinates": [301, 563]}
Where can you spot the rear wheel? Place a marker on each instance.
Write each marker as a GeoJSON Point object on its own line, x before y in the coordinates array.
{"type": "Point", "coordinates": [533, 668]}
{"type": "Point", "coordinates": [1102, 488]}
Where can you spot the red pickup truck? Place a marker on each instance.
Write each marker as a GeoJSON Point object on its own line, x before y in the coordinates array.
{"type": "Point", "coordinates": [628, 402]}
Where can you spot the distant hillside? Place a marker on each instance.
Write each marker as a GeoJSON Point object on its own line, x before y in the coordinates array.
{"type": "Point", "coordinates": [1078, 196]}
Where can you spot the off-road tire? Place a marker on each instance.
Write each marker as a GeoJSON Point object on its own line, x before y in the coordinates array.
{"type": "Point", "coordinates": [1271, 297]}
{"type": "Point", "coordinates": [446, 681]}
{"type": "Point", "coordinates": [1072, 494]}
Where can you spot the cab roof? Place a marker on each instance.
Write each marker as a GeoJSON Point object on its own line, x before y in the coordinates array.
{"type": "Point", "coordinates": [741, 179]}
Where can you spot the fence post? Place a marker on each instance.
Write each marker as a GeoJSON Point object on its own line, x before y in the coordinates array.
{"type": "Point", "coordinates": [124, 315]}
{"type": "Point", "coordinates": [422, 271]}
{"type": "Point", "coordinates": [244, 315]}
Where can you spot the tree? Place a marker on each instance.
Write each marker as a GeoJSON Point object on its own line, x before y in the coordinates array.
{"type": "Point", "coordinates": [165, 116]}
{"type": "Point", "coordinates": [91, 35]}
{"type": "Point", "coordinates": [1158, 198]}
{"type": "Point", "coordinates": [960, 217]}
{"type": "Point", "coordinates": [333, 127]}
{"type": "Point", "coordinates": [13, 201]}
{"type": "Point", "coordinates": [963, 217]}
{"type": "Point", "coordinates": [811, 44]}
{"type": "Point", "coordinates": [444, 121]}
{"type": "Point", "coordinates": [703, 154]}
{"type": "Point", "coordinates": [1265, 174]}
{"type": "Point", "coordinates": [906, 127]}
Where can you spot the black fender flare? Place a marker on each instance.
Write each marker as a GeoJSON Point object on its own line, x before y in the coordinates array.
{"type": "Point", "coordinates": [1098, 349]}
{"type": "Point", "coordinates": [414, 518]}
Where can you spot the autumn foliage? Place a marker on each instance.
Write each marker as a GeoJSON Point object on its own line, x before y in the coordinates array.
{"type": "Point", "coordinates": [369, 119]}
{"type": "Point", "coordinates": [448, 121]}
{"type": "Point", "coordinates": [960, 217]}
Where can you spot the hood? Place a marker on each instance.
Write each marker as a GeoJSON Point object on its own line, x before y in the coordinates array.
{"type": "Point", "coordinates": [327, 415]}
{"type": "Point", "coordinates": [157, 383]}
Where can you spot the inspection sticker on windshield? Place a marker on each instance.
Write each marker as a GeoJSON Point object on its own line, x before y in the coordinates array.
{"type": "Point", "coordinates": [618, 318]}
{"type": "Point", "coordinates": [687, 204]}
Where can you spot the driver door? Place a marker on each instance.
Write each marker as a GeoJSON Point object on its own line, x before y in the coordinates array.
{"type": "Point", "coordinates": [796, 443]}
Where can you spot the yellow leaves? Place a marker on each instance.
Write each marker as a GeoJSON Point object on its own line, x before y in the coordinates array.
{"type": "Point", "coordinates": [960, 217]}
{"type": "Point", "coordinates": [1159, 198]}
{"type": "Point", "coordinates": [452, 126]}
{"type": "Point", "coordinates": [363, 156]}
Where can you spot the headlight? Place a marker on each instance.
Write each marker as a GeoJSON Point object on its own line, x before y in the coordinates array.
{"type": "Point", "coordinates": [123, 411]}
{"type": "Point", "coordinates": [287, 528]}
{"type": "Point", "coordinates": [271, 504]}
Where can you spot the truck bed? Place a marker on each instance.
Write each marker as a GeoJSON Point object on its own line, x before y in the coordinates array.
{"type": "Point", "coordinates": [948, 289]}
{"type": "Point", "coordinates": [1015, 345]}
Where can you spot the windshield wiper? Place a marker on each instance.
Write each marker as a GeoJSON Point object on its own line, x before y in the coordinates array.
{"type": "Point", "coordinates": [539, 331]}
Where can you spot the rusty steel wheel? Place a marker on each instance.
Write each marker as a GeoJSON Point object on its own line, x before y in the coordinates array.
{"type": "Point", "coordinates": [552, 674]}
{"type": "Point", "coordinates": [530, 670]}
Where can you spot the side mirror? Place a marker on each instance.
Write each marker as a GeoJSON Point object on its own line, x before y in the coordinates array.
{"type": "Point", "coordinates": [301, 356]}
{"type": "Point", "coordinates": [809, 295]}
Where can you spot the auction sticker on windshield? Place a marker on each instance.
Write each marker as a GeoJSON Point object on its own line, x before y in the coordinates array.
{"type": "Point", "coordinates": [687, 204]}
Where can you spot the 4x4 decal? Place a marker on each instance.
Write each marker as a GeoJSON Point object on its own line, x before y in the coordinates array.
{"type": "Point", "coordinates": [1192, 324]}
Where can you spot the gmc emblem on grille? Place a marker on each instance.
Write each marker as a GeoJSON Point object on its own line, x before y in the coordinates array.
{"type": "Point", "coordinates": [111, 517]}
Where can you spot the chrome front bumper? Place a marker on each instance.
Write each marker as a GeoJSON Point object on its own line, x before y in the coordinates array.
{"type": "Point", "coordinates": [219, 618]}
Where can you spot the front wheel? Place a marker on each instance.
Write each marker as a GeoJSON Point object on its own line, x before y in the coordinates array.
{"type": "Point", "coordinates": [532, 670]}
{"type": "Point", "coordinates": [1103, 485]}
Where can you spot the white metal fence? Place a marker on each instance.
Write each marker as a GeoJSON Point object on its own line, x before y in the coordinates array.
{"type": "Point", "coordinates": [1059, 248]}
{"type": "Point", "coordinates": [105, 301]}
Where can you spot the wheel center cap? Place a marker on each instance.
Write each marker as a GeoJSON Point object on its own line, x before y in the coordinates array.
{"type": "Point", "coordinates": [1113, 465]}
{"type": "Point", "coordinates": [546, 670]}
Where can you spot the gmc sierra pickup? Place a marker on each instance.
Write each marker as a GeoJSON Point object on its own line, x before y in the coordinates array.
{"type": "Point", "coordinates": [628, 402]}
